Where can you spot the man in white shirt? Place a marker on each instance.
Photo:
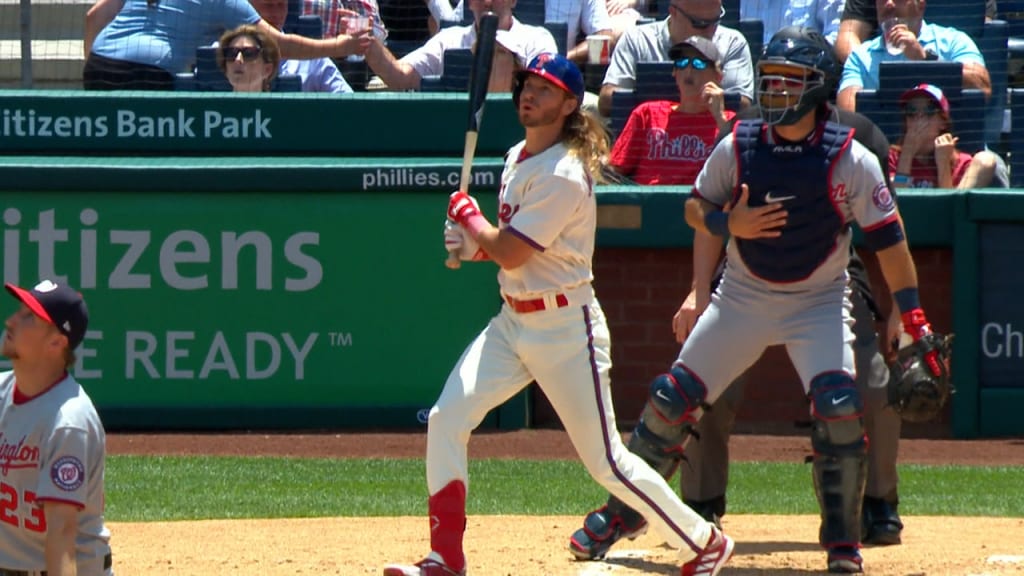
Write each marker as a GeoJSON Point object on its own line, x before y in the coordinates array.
{"type": "Point", "coordinates": [428, 60]}
{"type": "Point", "coordinates": [588, 16]}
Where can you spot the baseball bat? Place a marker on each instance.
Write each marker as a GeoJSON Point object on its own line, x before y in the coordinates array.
{"type": "Point", "coordinates": [479, 78]}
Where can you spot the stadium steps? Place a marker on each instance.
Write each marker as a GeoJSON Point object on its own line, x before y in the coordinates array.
{"type": "Point", "coordinates": [57, 29]}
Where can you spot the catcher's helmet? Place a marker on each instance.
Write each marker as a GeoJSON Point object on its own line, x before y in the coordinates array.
{"type": "Point", "coordinates": [804, 48]}
{"type": "Point", "coordinates": [556, 69]}
{"type": "Point", "coordinates": [915, 393]}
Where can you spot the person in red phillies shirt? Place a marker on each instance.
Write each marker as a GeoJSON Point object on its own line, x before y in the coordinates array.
{"type": "Point", "coordinates": [667, 142]}
{"type": "Point", "coordinates": [926, 156]}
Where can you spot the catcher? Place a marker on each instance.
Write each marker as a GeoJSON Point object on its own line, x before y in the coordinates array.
{"type": "Point", "coordinates": [784, 191]}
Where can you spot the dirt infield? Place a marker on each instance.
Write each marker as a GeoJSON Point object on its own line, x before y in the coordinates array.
{"type": "Point", "coordinates": [535, 546]}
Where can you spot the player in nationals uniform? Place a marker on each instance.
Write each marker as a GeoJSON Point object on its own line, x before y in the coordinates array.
{"type": "Point", "coordinates": [550, 328]}
{"type": "Point", "coordinates": [787, 189]}
{"type": "Point", "coordinates": [52, 444]}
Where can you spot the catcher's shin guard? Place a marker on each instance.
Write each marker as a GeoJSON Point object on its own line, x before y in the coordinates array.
{"type": "Point", "coordinates": [658, 438]}
{"type": "Point", "coordinates": [840, 458]}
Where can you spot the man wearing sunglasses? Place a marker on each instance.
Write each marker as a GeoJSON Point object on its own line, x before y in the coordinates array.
{"type": "Point", "coordinates": [651, 43]}
{"type": "Point", "coordinates": [666, 142]}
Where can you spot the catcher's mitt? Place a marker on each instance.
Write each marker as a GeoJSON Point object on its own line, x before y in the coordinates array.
{"type": "Point", "coordinates": [916, 392]}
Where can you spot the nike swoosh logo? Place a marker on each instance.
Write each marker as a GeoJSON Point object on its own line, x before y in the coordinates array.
{"type": "Point", "coordinates": [769, 198]}
{"type": "Point", "coordinates": [839, 399]}
{"type": "Point", "coordinates": [435, 523]}
{"type": "Point", "coordinates": [661, 394]}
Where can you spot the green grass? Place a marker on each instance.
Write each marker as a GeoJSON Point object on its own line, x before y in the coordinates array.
{"type": "Point", "coordinates": [161, 488]}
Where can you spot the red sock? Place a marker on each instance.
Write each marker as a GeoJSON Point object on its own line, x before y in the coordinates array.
{"type": "Point", "coordinates": [448, 523]}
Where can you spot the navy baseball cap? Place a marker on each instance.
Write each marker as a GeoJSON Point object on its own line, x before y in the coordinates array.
{"type": "Point", "coordinates": [60, 305]}
{"type": "Point", "coordinates": [558, 70]}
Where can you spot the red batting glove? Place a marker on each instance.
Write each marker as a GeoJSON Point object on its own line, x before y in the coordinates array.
{"type": "Point", "coordinates": [915, 324]}
{"type": "Point", "coordinates": [462, 207]}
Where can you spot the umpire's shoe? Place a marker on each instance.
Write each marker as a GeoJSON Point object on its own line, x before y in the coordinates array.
{"type": "Point", "coordinates": [845, 560]}
{"type": "Point", "coordinates": [711, 510]}
{"type": "Point", "coordinates": [601, 529]}
{"type": "Point", "coordinates": [881, 524]}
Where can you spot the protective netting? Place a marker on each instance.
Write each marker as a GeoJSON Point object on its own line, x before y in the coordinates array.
{"type": "Point", "coordinates": [427, 47]}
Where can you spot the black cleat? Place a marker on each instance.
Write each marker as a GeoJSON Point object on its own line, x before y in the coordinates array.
{"type": "Point", "coordinates": [881, 524]}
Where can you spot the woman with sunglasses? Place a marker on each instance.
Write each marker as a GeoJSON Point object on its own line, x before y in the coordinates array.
{"type": "Point", "coordinates": [925, 155]}
{"type": "Point", "coordinates": [667, 142]}
{"type": "Point", "coordinates": [249, 59]}
{"type": "Point", "coordinates": [142, 44]}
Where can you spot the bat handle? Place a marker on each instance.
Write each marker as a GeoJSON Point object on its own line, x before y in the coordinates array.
{"type": "Point", "coordinates": [453, 262]}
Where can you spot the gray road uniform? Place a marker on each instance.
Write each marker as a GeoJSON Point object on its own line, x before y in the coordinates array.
{"type": "Point", "coordinates": [52, 448]}
{"type": "Point", "coordinates": [793, 290]}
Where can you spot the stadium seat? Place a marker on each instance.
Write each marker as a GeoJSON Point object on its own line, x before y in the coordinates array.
{"type": "Point", "coordinates": [355, 72]}
{"type": "Point", "coordinates": [623, 102]}
{"type": "Point", "coordinates": [530, 12]}
{"type": "Point", "coordinates": [896, 77]}
{"type": "Point", "coordinates": [753, 31]}
{"type": "Point", "coordinates": [560, 31]}
{"type": "Point", "coordinates": [286, 83]}
{"type": "Point", "coordinates": [993, 47]}
{"type": "Point", "coordinates": [886, 117]}
{"type": "Point", "coordinates": [967, 16]}
{"type": "Point", "coordinates": [208, 77]}
{"type": "Point", "coordinates": [402, 47]}
{"type": "Point", "coordinates": [1016, 140]}
{"type": "Point", "coordinates": [458, 64]}
{"type": "Point", "coordinates": [309, 26]}
{"type": "Point", "coordinates": [654, 81]}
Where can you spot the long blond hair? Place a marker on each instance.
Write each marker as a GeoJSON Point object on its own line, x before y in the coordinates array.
{"type": "Point", "coordinates": [587, 139]}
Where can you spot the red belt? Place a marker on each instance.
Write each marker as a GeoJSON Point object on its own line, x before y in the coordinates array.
{"type": "Point", "coordinates": [536, 305]}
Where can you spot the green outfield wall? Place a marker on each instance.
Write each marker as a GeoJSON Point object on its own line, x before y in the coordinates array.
{"type": "Point", "coordinates": [296, 280]}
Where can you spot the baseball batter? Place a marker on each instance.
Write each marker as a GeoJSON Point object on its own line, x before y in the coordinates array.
{"type": "Point", "coordinates": [550, 328]}
{"type": "Point", "coordinates": [52, 444]}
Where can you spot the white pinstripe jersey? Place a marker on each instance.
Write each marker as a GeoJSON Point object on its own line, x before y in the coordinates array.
{"type": "Point", "coordinates": [548, 201]}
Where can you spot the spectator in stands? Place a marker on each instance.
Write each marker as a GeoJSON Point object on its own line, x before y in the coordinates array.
{"type": "Point", "coordinates": [317, 74]}
{"type": "Point", "coordinates": [333, 13]}
{"type": "Point", "coordinates": [860, 22]}
{"type": "Point", "coordinates": [586, 16]}
{"type": "Point", "coordinates": [142, 44]}
{"type": "Point", "coordinates": [925, 155]}
{"type": "Point", "coordinates": [821, 15]}
{"type": "Point", "coordinates": [651, 42]}
{"type": "Point", "coordinates": [509, 58]}
{"type": "Point", "coordinates": [667, 142]}
{"type": "Point", "coordinates": [249, 58]}
{"type": "Point", "coordinates": [918, 41]}
{"type": "Point", "coordinates": [428, 60]}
